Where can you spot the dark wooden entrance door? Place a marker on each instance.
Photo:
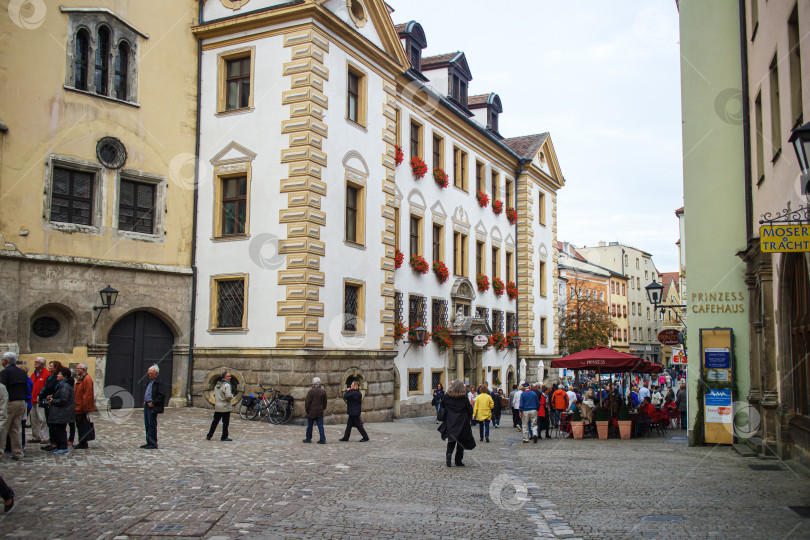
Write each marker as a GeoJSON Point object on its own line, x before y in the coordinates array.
{"type": "Point", "coordinates": [136, 342]}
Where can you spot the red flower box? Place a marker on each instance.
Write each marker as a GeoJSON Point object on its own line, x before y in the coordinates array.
{"type": "Point", "coordinates": [510, 340]}
{"type": "Point", "coordinates": [398, 259]}
{"type": "Point", "coordinates": [418, 167]}
{"type": "Point", "coordinates": [497, 207]}
{"type": "Point", "coordinates": [419, 264]}
{"type": "Point", "coordinates": [482, 281]}
{"type": "Point", "coordinates": [497, 287]}
{"type": "Point", "coordinates": [441, 271]}
{"type": "Point", "coordinates": [399, 331]}
{"type": "Point", "coordinates": [441, 178]}
{"type": "Point", "coordinates": [483, 200]}
{"type": "Point", "coordinates": [399, 156]}
{"type": "Point", "coordinates": [511, 215]}
{"type": "Point", "coordinates": [498, 340]}
{"type": "Point", "coordinates": [511, 290]}
{"type": "Point", "coordinates": [441, 337]}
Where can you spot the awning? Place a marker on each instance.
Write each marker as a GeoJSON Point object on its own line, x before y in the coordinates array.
{"type": "Point", "coordinates": [603, 360]}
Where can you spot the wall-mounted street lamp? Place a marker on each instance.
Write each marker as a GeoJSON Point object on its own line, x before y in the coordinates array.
{"type": "Point", "coordinates": [655, 295]}
{"type": "Point", "coordinates": [108, 298]}
{"type": "Point", "coordinates": [419, 335]}
{"type": "Point", "coordinates": [800, 138]}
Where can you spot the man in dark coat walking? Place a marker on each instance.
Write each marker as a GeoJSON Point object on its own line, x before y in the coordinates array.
{"type": "Point", "coordinates": [153, 403]}
{"type": "Point", "coordinates": [315, 405]}
{"type": "Point", "coordinates": [456, 428]}
{"type": "Point", "coordinates": [354, 402]}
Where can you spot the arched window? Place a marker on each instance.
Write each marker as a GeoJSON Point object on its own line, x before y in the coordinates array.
{"type": "Point", "coordinates": [80, 60]}
{"type": "Point", "coordinates": [102, 60]}
{"type": "Point", "coordinates": [121, 67]}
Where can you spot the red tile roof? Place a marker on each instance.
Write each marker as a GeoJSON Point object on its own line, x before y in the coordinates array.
{"type": "Point", "coordinates": [437, 60]}
{"type": "Point", "coordinates": [526, 146]}
{"type": "Point", "coordinates": [477, 101]}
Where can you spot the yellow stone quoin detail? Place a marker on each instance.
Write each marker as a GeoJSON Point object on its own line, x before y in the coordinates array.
{"type": "Point", "coordinates": [305, 190]}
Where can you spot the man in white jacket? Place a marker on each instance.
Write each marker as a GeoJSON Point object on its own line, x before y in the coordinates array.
{"type": "Point", "coordinates": [514, 402]}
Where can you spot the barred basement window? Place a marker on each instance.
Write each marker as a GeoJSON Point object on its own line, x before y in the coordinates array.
{"type": "Point", "coordinates": [136, 210]}
{"type": "Point", "coordinates": [72, 196]}
{"type": "Point", "coordinates": [414, 382]}
{"type": "Point", "coordinates": [230, 303]}
{"type": "Point", "coordinates": [350, 300]}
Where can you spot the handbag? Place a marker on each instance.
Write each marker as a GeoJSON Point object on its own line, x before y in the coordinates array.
{"type": "Point", "coordinates": [87, 431]}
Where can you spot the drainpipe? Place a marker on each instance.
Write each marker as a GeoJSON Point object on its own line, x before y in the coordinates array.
{"type": "Point", "coordinates": [521, 163]}
{"type": "Point", "coordinates": [749, 204]}
{"type": "Point", "coordinates": [189, 373]}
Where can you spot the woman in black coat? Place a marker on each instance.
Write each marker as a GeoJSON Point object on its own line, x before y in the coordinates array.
{"type": "Point", "coordinates": [456, 425]}
{"type": "Point", "coordinates": [62, 411]}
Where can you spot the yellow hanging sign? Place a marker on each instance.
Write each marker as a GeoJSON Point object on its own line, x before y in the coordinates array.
{"type": "Point", "coordinates": [784, 238]}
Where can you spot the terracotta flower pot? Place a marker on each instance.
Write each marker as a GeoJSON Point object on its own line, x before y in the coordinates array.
{"type": "Point", "coordinates": [625, 428]}
{"type": "Point", "coordinates": [602, 429]}
{"type": "Point", "coordinates": [578, 429]}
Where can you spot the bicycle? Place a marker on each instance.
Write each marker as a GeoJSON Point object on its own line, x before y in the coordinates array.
{"type": "Point", "coordinates": [252, 406]}
{"type": "Point", "coordinates": [279, 409]}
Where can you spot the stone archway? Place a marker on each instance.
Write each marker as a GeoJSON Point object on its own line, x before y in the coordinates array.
{"type": "Point", "coordinates": [355, 374]}
{"type": "Point", "coordinates": [215, 375]}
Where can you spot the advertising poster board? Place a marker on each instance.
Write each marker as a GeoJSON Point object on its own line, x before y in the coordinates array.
{"type": "Point", "coordinates": [717, 364]}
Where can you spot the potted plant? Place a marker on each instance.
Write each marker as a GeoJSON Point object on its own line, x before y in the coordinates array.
{"type": "Point", "coordinates": [399, 257]}
{"type": "Point", "coordinates": [497, 286]}
{"type": "Point", "coordinates": [441, 271]}
{"type": "Point", "coordinates": [399, 156]}
{"type": "Point", "coordinates": [497, 207]}
{"type": "Point", "coordinates": [510, 339]}
{"type": "Point", "coordinates": [441, 178]}
{"type": "Point", "coordinates": [577, 425]}
{"type": "Point", "coordinates": [482, 281]}
{"type": "Point", "coordinates": [418, 167]}
{"type": "Point", "coordinates": [497, 340]}
{"type": "Point", "coordinates": [511, 290]}
{"type": "Point", "coordinates": [399, 331]}
{"type": "Point", "coordinates": [625, 424]}
{"type": "Point", "coordinates": [483, 199]}
{"type": "Point", "coordinates": [419, 264]}
{"type": "Point", "coordinates": [441, 337]}
{"type": "Point", "coordinates": [602, 423]}
{"type": "Point", "coordinates": [511, 215]}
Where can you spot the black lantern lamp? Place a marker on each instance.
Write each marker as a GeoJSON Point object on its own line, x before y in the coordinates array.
{"type": "Point", "coordinates": [516, 342]}
{"type": "Point", "coordinates": [655, 293]}
{"type": "Point", "coordinates": [419, 336]}
{"type": "Point", "coordinates": [801, 144]}
{"type": "Point", "coordinates": [108, 298]}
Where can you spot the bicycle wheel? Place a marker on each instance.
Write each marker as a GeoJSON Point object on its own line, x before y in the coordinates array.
{"type": "Point", "coordinates": [249, 413]}
{"type": "Point", "coordinates": [276, 412]}
{"type": "Point", "coordinates": [288, 413]}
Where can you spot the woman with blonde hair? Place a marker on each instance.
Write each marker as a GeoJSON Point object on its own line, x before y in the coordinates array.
{"type": "Point", "coordinates": [455, 427]}
{"type": "Point", "coordinates": [482, 412]}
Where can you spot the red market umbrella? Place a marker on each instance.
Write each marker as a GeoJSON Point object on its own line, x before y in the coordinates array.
{"type": "Point", "coordinates": [601, 359]}
{"type": "Point", "coordinates": [649, 367]}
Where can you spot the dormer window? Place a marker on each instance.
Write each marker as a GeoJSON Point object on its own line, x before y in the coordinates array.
{"type": "Point", "coordinates": [492, 119]}
{"type": "Point", "coordinates": [458, 88]}
{"type": "Point", "coordinates": [413, 39]}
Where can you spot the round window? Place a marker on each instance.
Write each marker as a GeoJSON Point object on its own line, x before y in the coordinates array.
{"type": "Point", "coordinates": [357, 12]}
{"type": "Point", "coordinates": [46, 327]}
{"type": "Point", "coordinates": [111, 152]}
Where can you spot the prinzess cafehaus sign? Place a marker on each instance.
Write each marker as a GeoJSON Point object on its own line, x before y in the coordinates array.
{"type": "Point", "coordinates": [784, 238]}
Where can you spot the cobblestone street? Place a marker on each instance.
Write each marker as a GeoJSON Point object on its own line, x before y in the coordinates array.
{"type": "Point", "coordinates": [268, 484]}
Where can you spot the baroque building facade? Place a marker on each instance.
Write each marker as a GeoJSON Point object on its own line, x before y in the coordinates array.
{"type": "Point", "coordinates": [96, 177]}
{"type": "Point", "coordinates": [314, 116]}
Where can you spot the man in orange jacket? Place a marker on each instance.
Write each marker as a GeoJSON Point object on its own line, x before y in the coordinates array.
{"type": "Point", "coordinates": [84, 403]}
{"type": "Point", "coordinates": [559, 401]}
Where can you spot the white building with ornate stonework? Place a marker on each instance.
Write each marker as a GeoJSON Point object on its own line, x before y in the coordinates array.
{"type": "Point", "coordinates": [302, 209]}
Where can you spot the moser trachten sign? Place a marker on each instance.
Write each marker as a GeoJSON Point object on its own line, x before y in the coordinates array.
{"type": "Point", "coordinates": [784, 238]}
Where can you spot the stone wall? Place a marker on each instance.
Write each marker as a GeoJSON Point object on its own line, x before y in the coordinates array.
{"type": "Point", "coordinates": [291, 371]}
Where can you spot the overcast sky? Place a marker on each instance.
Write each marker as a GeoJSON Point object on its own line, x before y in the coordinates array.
{"type": "Point", "coordinates": [604, 79]}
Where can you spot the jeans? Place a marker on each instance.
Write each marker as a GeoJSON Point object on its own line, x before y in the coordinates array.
{"type": "Point", "coordinates": [683, 420]}
{"type": "Point", "coordinates": [438, 408]}
{"type": "Point", "coordinates": [557, 413]}
{"type": "Point", "coordinates": [529, 420]}
{"type": "Point", "coordinates": [226, 420]}
{"type": "Point", "coordinates": [483, 425]}
{"type": "Point", "coordinates": [72, 436]}
{"type": "Point", "coordinates": [318, 421]}
{"type": "Point", "coordinates": [150, 425]}
{"type": "Point", "coordinates": [515, 417]}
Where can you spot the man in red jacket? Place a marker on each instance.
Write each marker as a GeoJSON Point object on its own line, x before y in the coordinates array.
{"type": "Point", "coordinates": [39, 427]}
{"type": "Point", "coordinates": [84, 403]}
